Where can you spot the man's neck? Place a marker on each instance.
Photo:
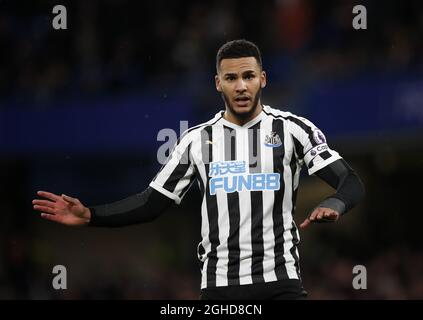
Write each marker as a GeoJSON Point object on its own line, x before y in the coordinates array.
{"type": "Point", "coordinates": [240, 121]}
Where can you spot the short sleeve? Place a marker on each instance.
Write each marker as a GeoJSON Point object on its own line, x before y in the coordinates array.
{"type": "Point", "coordinates": [311, 145]}
{"type": "Point", "coordinates": [177, 174]}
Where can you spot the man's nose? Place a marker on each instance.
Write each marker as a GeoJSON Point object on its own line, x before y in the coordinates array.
{"type": "Point", "coordinates": [241, 86]}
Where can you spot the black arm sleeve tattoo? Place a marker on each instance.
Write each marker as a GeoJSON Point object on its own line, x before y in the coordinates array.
{"type": "Point", "coordinates": [349, 188]}
{"type": "Point", "coordinates": [139, 208]}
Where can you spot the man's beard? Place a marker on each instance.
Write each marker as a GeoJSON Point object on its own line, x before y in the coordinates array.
{"type": "Point", "coordinates": [242, 115]}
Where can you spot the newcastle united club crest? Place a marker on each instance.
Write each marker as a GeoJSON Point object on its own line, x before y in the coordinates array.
{"type": "Point", "coordinates": [272, 140]}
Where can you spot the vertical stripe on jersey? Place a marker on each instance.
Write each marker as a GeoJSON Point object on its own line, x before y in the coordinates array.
{"type": "Point", "coordinates": [291, 208]}
{"type": "Point", "coordinates": [245, 243]}
{"type": "Point", "coordinates": [211, 204]}
{"type": "Point", "coordinates": [200, 248]}
{"type": "Point", "coordinates": [287, 207]}
{"type": "Point", "coordinates": [230, 140]}
{"type": "Point", "coordinates": [268, 203]}
{"type": "Point", "coordinates": [222, 211]}
{"type": "Point", "coordinates": [294, 249]}
{"type": "Point", "coordinates": [204, 247]}
{"type": "Point", "coordinates": [278, 223]}
{"type": "Point", "coordinates": [257, 206]}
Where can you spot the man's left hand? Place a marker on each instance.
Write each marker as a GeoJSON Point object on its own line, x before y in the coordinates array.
{"type": "Point", "coordinates": [321, 215]}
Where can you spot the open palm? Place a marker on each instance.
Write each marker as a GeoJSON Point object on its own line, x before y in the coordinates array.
{"type": "Point", "coordinates": [62, 209]}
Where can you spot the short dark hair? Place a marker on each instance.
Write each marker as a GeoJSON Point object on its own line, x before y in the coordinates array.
{"type": "Point", "coordinates": [238, 49]}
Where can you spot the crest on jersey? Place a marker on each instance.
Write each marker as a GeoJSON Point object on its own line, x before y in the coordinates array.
{"type": "Point", "coordinates": [272, 140]}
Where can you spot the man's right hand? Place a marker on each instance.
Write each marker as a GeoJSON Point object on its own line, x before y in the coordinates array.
{"type": "Point", "coordinates": [62, 209]}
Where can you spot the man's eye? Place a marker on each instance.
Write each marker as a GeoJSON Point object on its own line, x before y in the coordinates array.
{"type": "Point", "coordinates": [249, 77]}
{"type": "Point", "coordinates": [230, 78]}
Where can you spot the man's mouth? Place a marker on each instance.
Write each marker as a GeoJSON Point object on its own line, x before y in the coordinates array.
{"type": "Point", "coordinates": [242, 101]}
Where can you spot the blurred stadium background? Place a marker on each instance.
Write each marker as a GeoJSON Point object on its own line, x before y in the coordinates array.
{"type": "Point", "coordinates": [80, 110]}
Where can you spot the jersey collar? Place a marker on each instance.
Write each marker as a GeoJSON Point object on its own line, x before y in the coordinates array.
{"type": "Point", "coordinates": [247, 125]}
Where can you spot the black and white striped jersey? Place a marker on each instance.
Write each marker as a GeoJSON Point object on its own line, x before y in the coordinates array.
{"type": "Point", "coordinates": [248, 176]}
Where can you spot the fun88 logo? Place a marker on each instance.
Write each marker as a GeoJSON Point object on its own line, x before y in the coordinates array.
{"type": "Point", "coordinates": [232, 176]}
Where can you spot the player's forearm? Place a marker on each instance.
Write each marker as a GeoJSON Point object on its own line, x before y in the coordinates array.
{"type": "Point", "coordinates": [349, 188]}
{"type": "Point", "coordinates": [140, 208]}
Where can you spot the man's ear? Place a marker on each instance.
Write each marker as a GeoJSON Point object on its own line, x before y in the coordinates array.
{"type": "Point", "coordinates": [263, 81]}
{"type": "Point", "coordinates": [217, 81]}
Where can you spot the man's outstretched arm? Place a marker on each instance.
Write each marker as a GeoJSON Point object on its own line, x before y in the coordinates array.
{"type": "Point", "coordinates": [349, 192]}
{"type": "Point", "coordinates": [139, 208]}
